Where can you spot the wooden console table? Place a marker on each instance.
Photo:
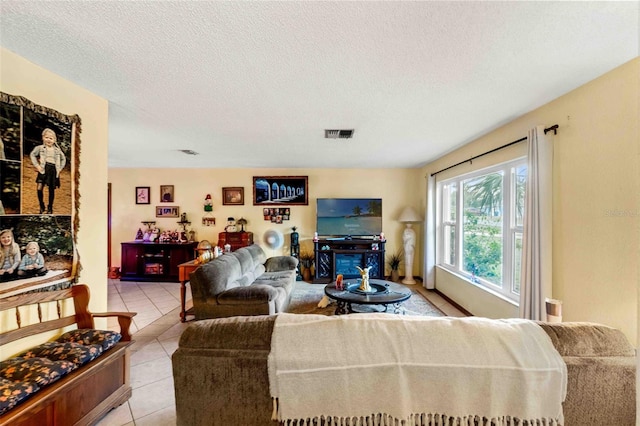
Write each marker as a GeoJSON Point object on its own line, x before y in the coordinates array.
{"type": "Point", "coordinates": [143, 261]}
{"type": "Point", "coordinates": [184, 270]}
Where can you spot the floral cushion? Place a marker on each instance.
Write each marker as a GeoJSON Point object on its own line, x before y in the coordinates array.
{"type": "Point", "coordinates": [37, 370]}
{"type": "Point", "coordinates": [69, 351]}
{"type": "Point", "coordinates": [85, 336]}
{"type": "Point", "coordinates": [11, 393]}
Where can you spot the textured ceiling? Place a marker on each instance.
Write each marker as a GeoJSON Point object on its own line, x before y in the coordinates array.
{"type": "Point", "coordinates": [254, 84]}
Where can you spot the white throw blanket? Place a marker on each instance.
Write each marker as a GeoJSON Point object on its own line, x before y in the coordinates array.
{"type": "Point", "coordinates": [382, 369]}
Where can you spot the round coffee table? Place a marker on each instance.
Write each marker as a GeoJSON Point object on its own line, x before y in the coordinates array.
{"type": "Point", "coordinates": [383, 293]}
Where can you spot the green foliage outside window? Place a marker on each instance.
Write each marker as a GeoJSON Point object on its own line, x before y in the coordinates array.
{"type": "Point", "coordinates": [482, 239]}
{"type": "Point", "coordinates": [482, 247]}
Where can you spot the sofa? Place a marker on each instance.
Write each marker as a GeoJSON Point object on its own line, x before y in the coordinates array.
{"type": "Point", "coordinates": [243, 282]}
{"type": "Point", "coordinates": [221, 377]}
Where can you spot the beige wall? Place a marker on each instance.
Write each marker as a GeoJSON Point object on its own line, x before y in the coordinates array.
{"type": "Point", "coordinates": [596, 184]}
{"type": "Point", "coordinates": [22, 78]}
{"type": "Point", "coordinates": [396, 187]}
{"type": "Point", "coordinates": [596, 212]}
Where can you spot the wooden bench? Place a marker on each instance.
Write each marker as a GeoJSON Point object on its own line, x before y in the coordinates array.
{"type": "Point", "coordinates": [84, 395]}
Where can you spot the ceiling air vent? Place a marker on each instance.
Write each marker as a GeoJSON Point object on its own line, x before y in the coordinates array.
{"type": "Point", "coordinates": [338, 134]}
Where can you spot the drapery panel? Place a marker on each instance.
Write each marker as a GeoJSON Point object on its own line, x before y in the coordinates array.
{"type": "Point", "coordinates": [430, 235]}
{"type": "Point", "coordinates": [536, 281]}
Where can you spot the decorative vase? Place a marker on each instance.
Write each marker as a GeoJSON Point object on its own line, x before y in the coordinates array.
{"type": "Point", "coordinates": [306, 274]}
{"type": "Point", "coordinates": [395, 275]}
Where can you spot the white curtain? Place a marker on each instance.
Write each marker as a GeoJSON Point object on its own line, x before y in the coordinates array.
{"type": "Point", "coordinates": [535, 283]}
{"type": "Point", "coordinates": [430, 235]}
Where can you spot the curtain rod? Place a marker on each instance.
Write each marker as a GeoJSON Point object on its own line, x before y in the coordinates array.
{"type": "Point", "coordinates": [553, 128]}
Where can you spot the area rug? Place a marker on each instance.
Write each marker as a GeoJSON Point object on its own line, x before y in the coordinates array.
{"type": "Point", "coordinates": [305, 298]}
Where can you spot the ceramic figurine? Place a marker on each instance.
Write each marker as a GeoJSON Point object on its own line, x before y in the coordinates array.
{"type": "Point", "coordinates": [364, 273]}
{"type": "Point", "coordinates": [339, 282]}
{"type": "Point", "coordinates": [231, 225]}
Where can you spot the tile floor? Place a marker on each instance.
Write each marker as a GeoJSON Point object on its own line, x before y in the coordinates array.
{"type": "Point", "coordinates": [156, 330]}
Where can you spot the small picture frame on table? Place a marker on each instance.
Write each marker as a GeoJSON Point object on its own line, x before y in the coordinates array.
{"type": "Point", "coordinates": [142, 195]}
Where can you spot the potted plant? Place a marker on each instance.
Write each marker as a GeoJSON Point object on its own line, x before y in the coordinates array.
{"type": "Point", "coordinates": [306, 260]}
{"type": "Point", "coordinates": [394, 260]}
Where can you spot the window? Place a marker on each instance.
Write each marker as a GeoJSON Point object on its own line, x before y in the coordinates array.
{"type": "Point", "coordinates": [480, 226]}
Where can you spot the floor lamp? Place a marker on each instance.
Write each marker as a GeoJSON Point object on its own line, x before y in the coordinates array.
{"type": "Point", "coordinates": [409, 216]}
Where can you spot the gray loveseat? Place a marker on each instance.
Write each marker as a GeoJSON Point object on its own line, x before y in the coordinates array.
{"type": "Point", "coordinates": [220, 373]}
{"type": "Point", "coordinates": [244, 282]}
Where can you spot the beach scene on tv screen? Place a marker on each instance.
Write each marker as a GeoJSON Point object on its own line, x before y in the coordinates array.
{"type": "Point", "coordinates": [354, 216]}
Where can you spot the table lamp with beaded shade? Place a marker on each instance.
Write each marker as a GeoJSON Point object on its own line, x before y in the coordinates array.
{"type": "Point", "coordinates": [409, 216]}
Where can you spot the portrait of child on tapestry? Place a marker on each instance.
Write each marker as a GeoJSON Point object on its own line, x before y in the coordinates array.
{"type": "Point", "coordinates": [32, 262]}
{"type": "Point", "coordinates": [49, 160]}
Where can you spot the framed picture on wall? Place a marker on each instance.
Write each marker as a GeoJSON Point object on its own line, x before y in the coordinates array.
{"type": "Point", "coordinates": [167, 211]}
{"type": "Point", "coordinates": [281, 190]}
{"type": "Point", "coordinates": [233, 196]}
{"type": "Point", "coordinates": [142, 195]}
{"type": "Point", "coordinates": [166, 194]}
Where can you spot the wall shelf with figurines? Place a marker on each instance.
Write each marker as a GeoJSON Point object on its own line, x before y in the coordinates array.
{"type": "Point", "coordinates": [186, 235]}
{"type": "Point", "coordinates": [150, 234]}
{"type": "Point", "coordinates": [184, 222]}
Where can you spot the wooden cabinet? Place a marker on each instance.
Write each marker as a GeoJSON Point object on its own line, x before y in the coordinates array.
{"type": "Point", "coordinates": [130, 265]}
{"type": "Point", "coordinates": [341, 256]}
{"type": "Point", "coordinates": [141, 261]}
{"type": "Point", "coordinates": [235, 239]}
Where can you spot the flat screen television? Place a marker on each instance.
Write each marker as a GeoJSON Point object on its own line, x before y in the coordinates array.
{"type": "Point", "coordinates": [355, 217]}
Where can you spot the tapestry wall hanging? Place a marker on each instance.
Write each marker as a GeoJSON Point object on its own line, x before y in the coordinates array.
{"type": "Point", "coordinates": [39, 198]}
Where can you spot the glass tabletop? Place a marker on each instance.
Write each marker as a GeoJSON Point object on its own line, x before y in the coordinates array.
{"type": "Point", "coordinates": [383, 292]}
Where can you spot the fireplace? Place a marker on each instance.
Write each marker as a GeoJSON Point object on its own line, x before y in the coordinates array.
{"type": "Point", "coordinates": [345, 264]}
{"type": "Point", "coordinates": [341, 256]}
